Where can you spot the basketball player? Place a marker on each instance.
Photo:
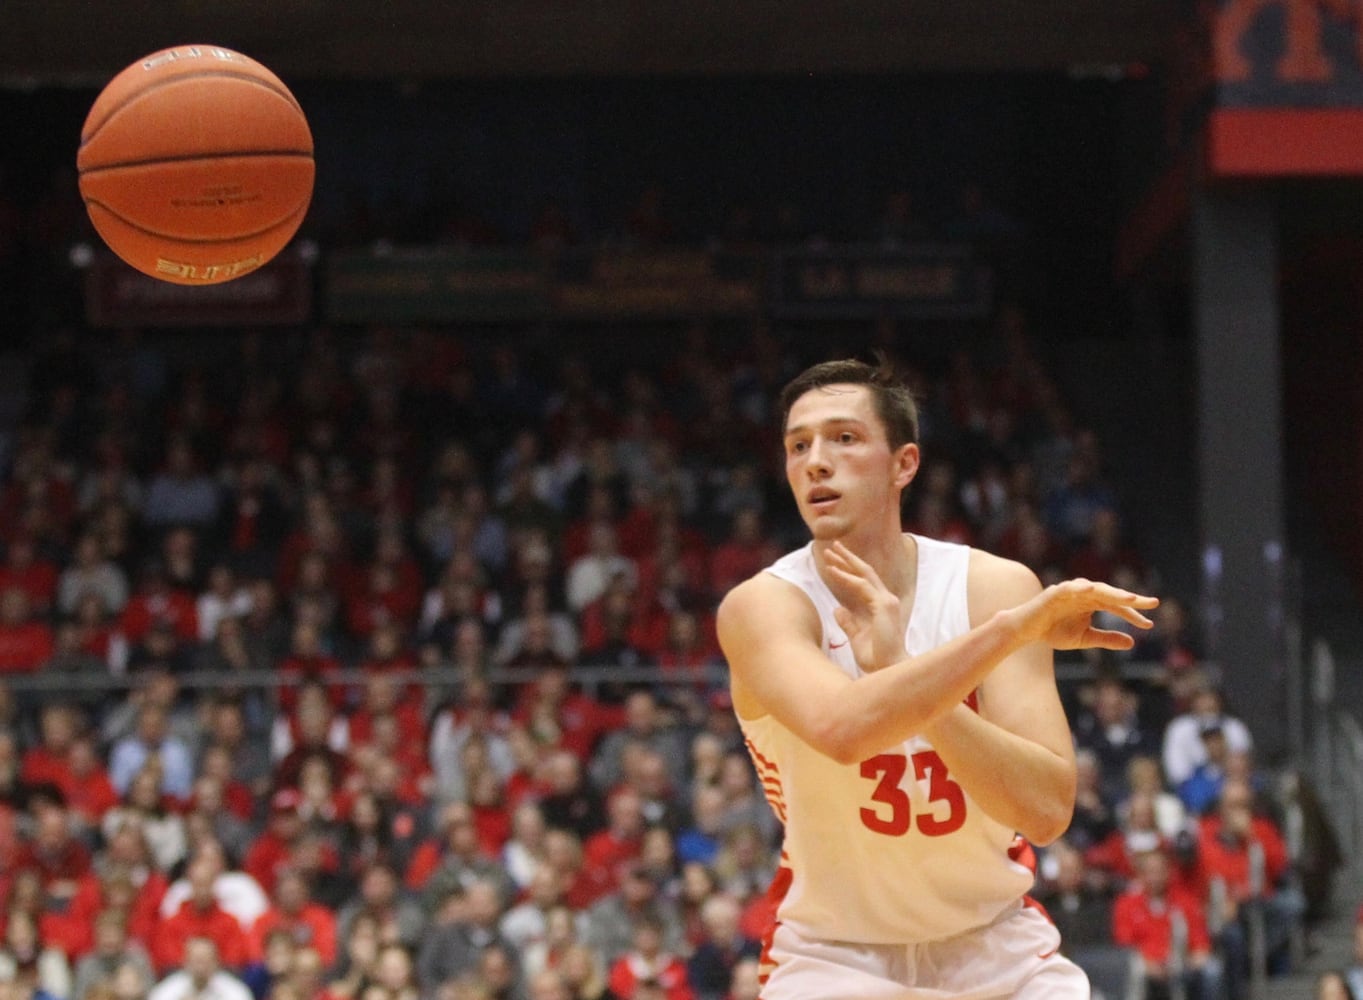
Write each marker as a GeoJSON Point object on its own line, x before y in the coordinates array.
{"type": "Point", "coordinates": [897, 697]}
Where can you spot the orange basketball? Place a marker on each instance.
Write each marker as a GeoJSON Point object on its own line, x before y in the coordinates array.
{"type": "Point", "coordinates": [196, 164]}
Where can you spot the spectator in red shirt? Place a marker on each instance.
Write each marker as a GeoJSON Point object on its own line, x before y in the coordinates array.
{"type": "Point", "coordinates": [606, 852]}
{"type": "Point", "coordinates": [272, 851]}
{"type": "Point", "coordinates": [557, 715]}
{"type": "Point", "coordinates": [646, 970]}
{"type": "Point", "coordinates": [26, 569]}
{"type": "Point", "coordinates": [25, 643]}
{"type": "Point", "coordinates": [383, 695]}
{"type": "Point", "coordinates": [86, 785]}
{"type": "Point", "coordinates": [157, 602]}
{"type": "Point", "coordinates": [1155, 917]}
{"type": "Point", "coordinates": [308, 924]}
{"type": "Point", "coordinates": [47, 762]}
{"type": "Point", "coordinates": [200, 916]}
{"type": "Point", "coordinates": [743, 554]}
{"type": "Point", "coordinates": [308, 660]}
{"type": "Point", "coordinates": [1243, 861]}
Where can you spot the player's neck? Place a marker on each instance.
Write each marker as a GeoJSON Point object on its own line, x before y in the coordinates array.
{"type": "Point", "coordinates": [892, 554]}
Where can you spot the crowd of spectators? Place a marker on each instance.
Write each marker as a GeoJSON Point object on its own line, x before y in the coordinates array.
{"type": "Point", "coordinates": [338, 509]}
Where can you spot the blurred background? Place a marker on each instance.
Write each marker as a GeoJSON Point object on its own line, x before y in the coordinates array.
{"type": "Point", "coordinates": [393, 565]}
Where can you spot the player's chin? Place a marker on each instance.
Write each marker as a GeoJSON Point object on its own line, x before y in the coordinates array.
{"type": "Point", "coordinates": [825, 528]}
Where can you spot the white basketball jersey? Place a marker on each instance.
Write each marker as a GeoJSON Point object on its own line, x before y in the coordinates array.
{"type": "Point", "coordinates": [889, 850]}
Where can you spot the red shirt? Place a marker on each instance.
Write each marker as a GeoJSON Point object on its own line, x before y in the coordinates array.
{"type": "Point", "coordinates": [1230, 861]}
{"type": "Point", "coordinates": [1147, 925]}
{"type": "Point", "coordinates": [667, 970]}
{"type": "Point", "coordinates": [168, 949]}
{"type": "Point", "coordinates": [24, 648]}
{"type": "Point", "coordinates": [41, 766]}
{"type": "Point", "coordinates": [314, 926]}
{"type": "Point", "coordinates": [89, 795]}
{"type": "Point", "coordinates": [38, 580]}
{"type": "Point", "coordinates": [604, 853]}
{"type": "Point", "coordinates": [265, 858]}
{"type": "Point", "coordinates": [174, 606]}
{"type": "Point", "coordinates": [581, 720]}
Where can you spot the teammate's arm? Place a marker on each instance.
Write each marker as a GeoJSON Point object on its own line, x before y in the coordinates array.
{"type": "Point", "coordinates": [1016, 757]}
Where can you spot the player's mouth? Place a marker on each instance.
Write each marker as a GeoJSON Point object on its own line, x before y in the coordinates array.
{"type": "Point", "coordinates": [822, 498]}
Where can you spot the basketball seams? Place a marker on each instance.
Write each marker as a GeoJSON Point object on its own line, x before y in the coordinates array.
{"type": "Point", "coordinates": [292, 154]}
{"type": "Point", "coordinates": [235, 238]}
{"type": "Point", "coordinates": [277, 90]}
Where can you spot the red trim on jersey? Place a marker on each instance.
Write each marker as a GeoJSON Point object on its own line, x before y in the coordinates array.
{"type": "Point", "coordinates": [1021, 852]}
{"type": "Point", "coordinates": [776, 894]}
{"type": "Point", "coordinates": [973, 701]}
{"type": "Point", "coordinates": [770, 776]}
{"type": "Point", "coordinates": [761, 761]}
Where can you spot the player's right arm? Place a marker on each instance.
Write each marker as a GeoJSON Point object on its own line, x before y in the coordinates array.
{"type": "Point", "coordinates": [771, 636]}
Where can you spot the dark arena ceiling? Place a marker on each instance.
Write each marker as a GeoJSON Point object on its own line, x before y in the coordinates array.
{"type": "Point", "coordinates": [83, 42]}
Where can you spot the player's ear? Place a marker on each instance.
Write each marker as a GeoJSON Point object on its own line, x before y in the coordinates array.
{"type": "Point", "coordinates": [906, 464]}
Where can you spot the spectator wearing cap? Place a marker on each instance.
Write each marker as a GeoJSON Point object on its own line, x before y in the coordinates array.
{"type": "Point", "coordinates": [1201, 789]}
{"type": "Point", "coordinates": [272, 851]}
{"type": "Point", "coordinates": [1184, 749]}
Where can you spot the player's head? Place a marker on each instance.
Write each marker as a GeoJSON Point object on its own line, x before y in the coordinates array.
{"type": "Point", "coordinates": [893, 402]}
{"type": "Point", "coordinates": [850, 431]}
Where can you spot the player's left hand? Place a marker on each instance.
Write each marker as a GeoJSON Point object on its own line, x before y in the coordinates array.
{"type": "Point", "coordinates": [868, 611]}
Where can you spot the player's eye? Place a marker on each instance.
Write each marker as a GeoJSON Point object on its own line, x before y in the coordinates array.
{"type": "Point", "coordinates": [846, 437]}
{"type": "Point", "coordinates": [797, 447]}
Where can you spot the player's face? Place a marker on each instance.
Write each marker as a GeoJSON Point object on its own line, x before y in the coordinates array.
{"type": "Point", "coordinates": [839, 464]}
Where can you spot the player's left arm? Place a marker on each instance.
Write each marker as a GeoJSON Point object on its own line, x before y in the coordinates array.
{"type": "Point", "coordinates": [1015, 757]}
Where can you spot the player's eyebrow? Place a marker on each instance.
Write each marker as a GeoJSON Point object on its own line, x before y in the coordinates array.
{"type": "Point", "coordinates": [829, 422]}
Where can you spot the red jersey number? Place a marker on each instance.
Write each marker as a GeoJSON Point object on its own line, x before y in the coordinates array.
{"type": "Point", "coordinates": [893, 814]}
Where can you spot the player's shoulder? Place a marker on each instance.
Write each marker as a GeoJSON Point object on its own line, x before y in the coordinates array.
{"type": "Point", "coordinates": [760, 601]}
{"type": "Point", "coordinates": [996, 583]}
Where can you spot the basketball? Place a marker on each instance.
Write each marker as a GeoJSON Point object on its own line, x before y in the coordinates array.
{"type": "Point", "coordinates": [196, 164]}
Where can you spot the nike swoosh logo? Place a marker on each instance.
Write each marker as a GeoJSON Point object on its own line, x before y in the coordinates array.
{"type": "Point", "coordinates": [1049, 953]}
{"type": "Point", "coordinates": [837, 645]}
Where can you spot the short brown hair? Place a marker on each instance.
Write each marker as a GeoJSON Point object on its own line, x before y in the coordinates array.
{"type": "Point", "coordinates": [894, 402]}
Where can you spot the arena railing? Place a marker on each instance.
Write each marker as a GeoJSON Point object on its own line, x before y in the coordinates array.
{"type": "Point", "coordinates": [591, 678]}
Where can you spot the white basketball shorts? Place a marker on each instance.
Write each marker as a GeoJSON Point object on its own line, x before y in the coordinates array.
{"type": "Point", "coordinates": [1014, 958]}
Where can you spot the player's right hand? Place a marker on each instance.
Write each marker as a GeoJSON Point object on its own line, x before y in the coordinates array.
{"type": "Point", "coordinates": [1062, 615]}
